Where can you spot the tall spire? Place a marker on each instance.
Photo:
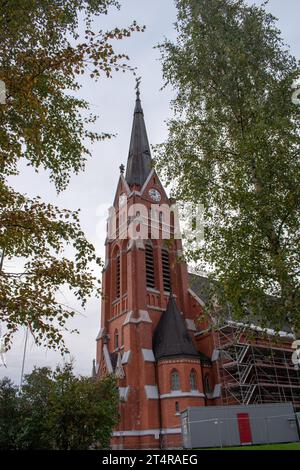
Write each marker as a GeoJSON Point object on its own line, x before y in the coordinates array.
{"type": "Point", "coordinates": [139, 158]}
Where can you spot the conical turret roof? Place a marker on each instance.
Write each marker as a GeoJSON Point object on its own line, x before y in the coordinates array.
{"type": "Point", "coordinates": [171, 337]}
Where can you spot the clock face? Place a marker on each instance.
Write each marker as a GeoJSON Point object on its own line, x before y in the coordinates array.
{"type": "Point", "coordinates": [155, 195]}
{"type": "Point", "coordinates": [122, 199]}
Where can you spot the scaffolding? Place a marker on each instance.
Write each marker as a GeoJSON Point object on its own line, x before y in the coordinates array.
{"type": "Point", "coordinates": [255, 367]}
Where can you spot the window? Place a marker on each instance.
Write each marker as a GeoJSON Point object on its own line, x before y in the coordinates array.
{"type": "Point", "coordinates": [137, 221]}
{"type": "Point", "coordinates": [154, 214]}
{"type": "Point", "coordinates": [207, 386]}
{"type": "Point", "coordinates": [116, 339]}
{"type": "Point", "coordinates": [116, 273]}
{"type": "Point", "coordinates": [175, 382]}
{"type": "Point", "coordinates": [177, 409]}
{"type": "Point", "coordinates": [150, 279]}
{"type": "Point", "coordinates": [166, 269]}
{"type": "Point", "coordinates": [193, 380]}
{"type": "Point", "coordinates": [118, 276]}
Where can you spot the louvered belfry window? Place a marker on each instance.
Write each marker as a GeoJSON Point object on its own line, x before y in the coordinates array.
{"type": "Point", "coordinates": [166, 269]}
{"type": "Point", "coordinates": [150, 279]}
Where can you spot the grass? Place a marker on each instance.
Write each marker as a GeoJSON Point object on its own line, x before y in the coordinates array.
{"type": "Point", "coordinates": [290, 446]}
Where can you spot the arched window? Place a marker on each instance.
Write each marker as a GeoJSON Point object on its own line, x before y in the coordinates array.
{"type": "Point", "coordinates": [154, 214]}
{"type": "Point", "coordinates": [116, 339]}
{"type": "Point", "coordinates": [177, 409]}
{"type": "Point", "coordinates": [123, 258]}
{"type": "Point", "coordinates": [118, 275]}
{"type": "Point", "coordinates": [175, 381]}
{"type": "Point", "coordinates": [138, 219]}
{"type": "Point", "coordinates": [193, 380]}
{"type": "Point", "coordinates": [207, 385]}
{"type": "Point", "coordinates": [166, 269]}
{"type": "Point", "coordinates": [150, 278]}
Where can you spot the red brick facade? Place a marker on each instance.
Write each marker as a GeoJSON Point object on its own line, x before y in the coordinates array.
{"type": "Point", "coordinates": [152, 393]}
{"type": "Point", "coordinates": [130, 313]}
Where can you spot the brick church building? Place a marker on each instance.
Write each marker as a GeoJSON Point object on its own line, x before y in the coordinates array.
{"type": "Point", "coordinates": [151, 338]}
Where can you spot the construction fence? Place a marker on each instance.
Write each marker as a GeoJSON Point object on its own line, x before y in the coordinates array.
{"type": "Point", "coordinates": [225, 426]}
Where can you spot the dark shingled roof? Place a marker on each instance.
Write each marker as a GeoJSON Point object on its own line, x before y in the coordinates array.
{"type": "Point", "coordinates": [171, 337]}
{"type": "Point", "coordinates": [200, 285]}
{"type": "Point", "coordinates": [139, 163]}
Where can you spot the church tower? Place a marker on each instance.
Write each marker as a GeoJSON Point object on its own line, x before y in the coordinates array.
{"type": "Point", "coordinates": [148, 312]}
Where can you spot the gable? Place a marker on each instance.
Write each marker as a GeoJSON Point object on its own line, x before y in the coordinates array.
{"type": "Point", "coordinates": [122, 187]}
{"type": "Point", "coordinates": [153, 182]}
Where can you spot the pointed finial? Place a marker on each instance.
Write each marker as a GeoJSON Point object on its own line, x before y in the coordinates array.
{"type": "Point", "coordinates": [94, 373]}
{"type": "Point", "coordinates": [137, 86]}
{"type": "Point", "coordinates": [122, 169]}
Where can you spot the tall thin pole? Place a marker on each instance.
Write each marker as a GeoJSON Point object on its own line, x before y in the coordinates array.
{"type": "Point", "coordinates": [24, 354]}
{"type": "Point", "coordinates": [1, 260]}
{"type": "Point", "coordinates": [1, 353]}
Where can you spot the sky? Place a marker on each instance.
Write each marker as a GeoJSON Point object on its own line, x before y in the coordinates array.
{"type": "Point", "coordinates": [93, 191]}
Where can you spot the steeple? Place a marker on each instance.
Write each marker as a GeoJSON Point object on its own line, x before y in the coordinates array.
{"type": "Point", "coordinates": [171, 337]}
{"type": "Point", "coordinates": [139, 157]}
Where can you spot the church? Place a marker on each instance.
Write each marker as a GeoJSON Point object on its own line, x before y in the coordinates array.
{"type": "Point", "coordinates": [151, 337]}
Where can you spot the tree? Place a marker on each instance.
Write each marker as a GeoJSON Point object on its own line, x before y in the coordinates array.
{"type": "Point", "coordinates": [59, 411]}
{"type": "Point", "coordinates": [35, 408]}
{"type": "Point", "coordinates": [46, 125]}
{"type": "Point", "coordinates": [83, 412]}
{"type": "Point", "coordinates": [233, 146]}
{"type": "Point", "coordinates": [9, 415]}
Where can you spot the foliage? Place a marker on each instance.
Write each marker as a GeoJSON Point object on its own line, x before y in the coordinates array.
{"type": "Point", "coordinates": [233, 146]}
{"type": "Point", "coordinates": [44, 124]}
{"type": "Point", "coordinates": [57, 410]}
{"type": "Point", "coordinates": [9, 415]}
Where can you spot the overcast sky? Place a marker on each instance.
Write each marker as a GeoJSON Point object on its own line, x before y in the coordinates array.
{"type": "Point", "coordinates": [93, 190]}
